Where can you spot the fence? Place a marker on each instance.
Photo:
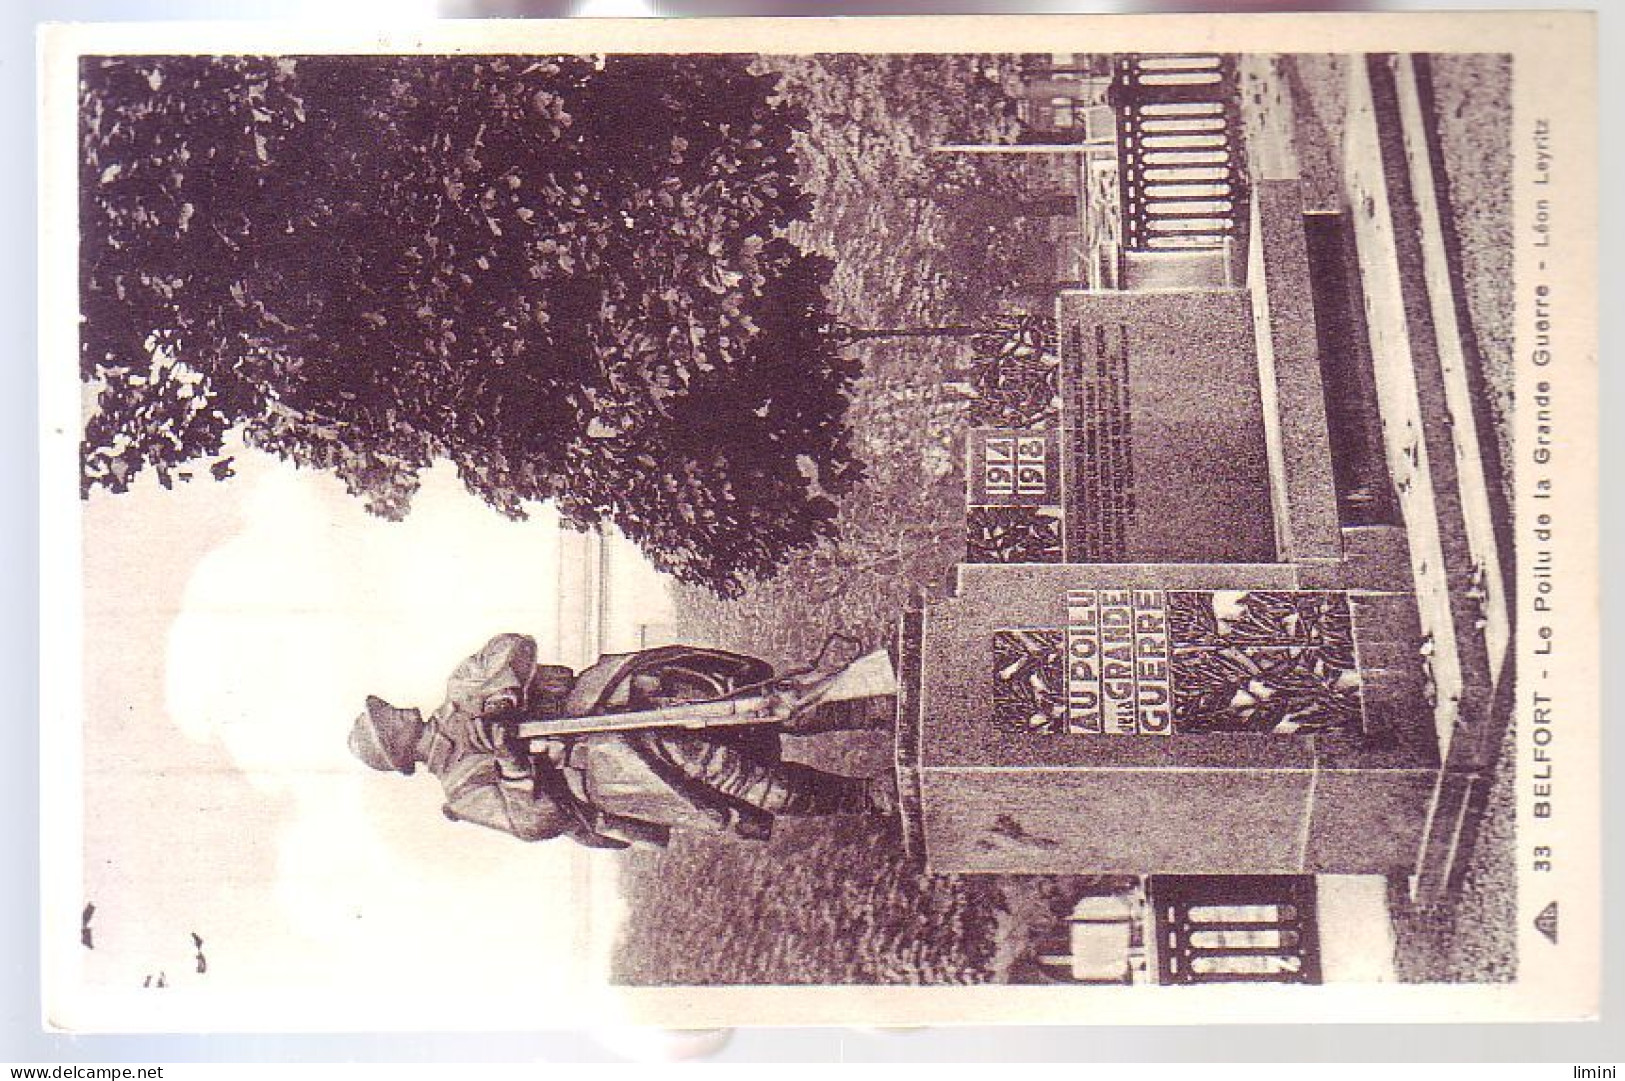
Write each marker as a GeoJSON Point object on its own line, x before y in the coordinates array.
{"type": "Point", "coordinates": [1235, 929]}
{"type": "Point", "coordinates": [1179, 152]}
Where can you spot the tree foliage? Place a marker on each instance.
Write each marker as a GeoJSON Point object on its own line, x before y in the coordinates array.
{"type": "Point", "coordinates": [568, 276]}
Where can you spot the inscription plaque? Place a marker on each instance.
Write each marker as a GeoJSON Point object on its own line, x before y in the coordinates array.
{"type": "Point", "coordinates": [1152, 662]}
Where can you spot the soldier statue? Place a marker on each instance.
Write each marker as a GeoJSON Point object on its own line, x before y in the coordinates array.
{"type": "Point", "coordinates": [633, 747]}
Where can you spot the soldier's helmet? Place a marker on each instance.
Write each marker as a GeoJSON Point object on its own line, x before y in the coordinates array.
{"type": "Point", "coordinates": [385, 737]}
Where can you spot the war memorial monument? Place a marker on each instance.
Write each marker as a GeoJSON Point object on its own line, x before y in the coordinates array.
{"type": "Point", "coordinates": [1230, 605]}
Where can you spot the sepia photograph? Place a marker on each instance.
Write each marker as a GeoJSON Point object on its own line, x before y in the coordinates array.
{"type": "Point", "coordinates": [795, 524]}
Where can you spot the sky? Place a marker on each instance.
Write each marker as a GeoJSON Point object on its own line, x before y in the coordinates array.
{"type": "Point", "coordinates": [232, 632]}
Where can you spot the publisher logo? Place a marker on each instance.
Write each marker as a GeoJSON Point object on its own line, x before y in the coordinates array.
{"type": "Point", "coordinates": [1546, 922]}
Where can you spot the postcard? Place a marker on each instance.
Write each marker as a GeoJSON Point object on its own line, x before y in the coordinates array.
{"type": "Point", "coordinates": [829, 521]}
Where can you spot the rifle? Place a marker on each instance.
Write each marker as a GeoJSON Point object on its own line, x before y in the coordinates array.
{"type": "Point", "coordinates": [772, 703]}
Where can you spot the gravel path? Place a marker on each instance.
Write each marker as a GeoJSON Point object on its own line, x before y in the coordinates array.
{"type": "Point", "coordinates": [1473, 107]}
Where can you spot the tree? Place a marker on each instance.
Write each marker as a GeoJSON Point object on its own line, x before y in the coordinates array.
{"type": "Point", "coordinates": [568, 276]}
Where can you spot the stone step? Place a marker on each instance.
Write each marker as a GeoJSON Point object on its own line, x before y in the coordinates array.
{"type": "Point", "coordinates": [1430, 434]}
{"type": "Point", "coordinates": [1450, 825]}
{"type": "Point", "coordinates": [1485, 516]}
{"type": "Point", "coordinates": [1293, 395]}
{"type": "Point", "coordinates": [1418, 423]}
{"type": "Point", "coordinates": [1377, 557]}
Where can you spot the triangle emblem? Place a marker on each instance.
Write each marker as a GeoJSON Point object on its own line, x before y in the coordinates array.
{"type": "Point", "coordinates": [1546, 922]}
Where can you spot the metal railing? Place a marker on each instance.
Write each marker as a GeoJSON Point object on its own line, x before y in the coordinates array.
{"type": "Point", "coordinates": [1179, 152]}
{"type": "Point", "coordinates": [1235, 929]}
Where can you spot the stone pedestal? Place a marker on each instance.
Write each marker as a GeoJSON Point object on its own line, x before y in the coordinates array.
{"type": "Point", "coordinates": [1174, 655]}
{"type": "Point", "coordinates": [1038, 741]}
